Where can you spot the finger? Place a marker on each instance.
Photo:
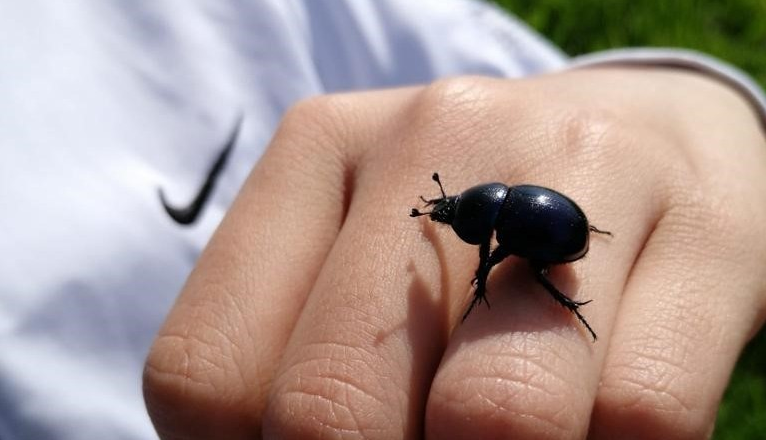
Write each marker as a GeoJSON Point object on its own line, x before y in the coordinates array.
{"type": "Point", "coordinates": [368, 340]}
{"type": "Point", "coordinates": [209, 370]}
{"type": "Point", "coordinates": [696, 283]}
{"type": "Point", "coordinates": [695, 295]}
{"type": "Point", "coordinates": [526, 366]}
{"type": "Point", "coordinates": [363, 353]}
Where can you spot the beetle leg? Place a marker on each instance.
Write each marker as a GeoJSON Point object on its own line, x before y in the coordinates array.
{"type": "Point", "coordinates": [486, 262]}
{"type": "Point", "coordinates": [499, 254]}
{"type": "Point", "coordinates": [480, 280]}
{"type": "Point", "coordinates": [540, 273]}
{"type": "Point", "coordinates": [483, 261]}
{"type": "Point", "coordinates": [592, 228]}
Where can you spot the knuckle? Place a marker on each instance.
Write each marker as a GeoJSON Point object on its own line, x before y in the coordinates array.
{"type": "Point", "coordinates": [710, 227]}
{"type": "Point", "coordinates": [582, 126]}
{"type": "Point", "coordinates": [691, 212]}
{"type": "Point", "coordinates": [528, 398]}
{"type": "Point", "coordinates": [587, 139]}
{"type": "Point", "coordinates": [190, 375]}
{"type": "Point", "coordinates": [454, 104]}
{"type": "Point", "coordinates": [448, 94]}
{"type": "Point", "coordinates": [325, 396]}
{"type": "Point", "coordinates": [174, 386]}
{"type": "Point", "coordinates": [311, 113]}
{"type": "Point", "coordinates": [319, 123]}
{"type": "Point", "coordinates": [485, 122]}
{"type": "Point", "coordinates": [448, 116]}
{"type": "Point", "coordinates": [647, 398]}
{"type": "Point", "coordinates": [713, 223]}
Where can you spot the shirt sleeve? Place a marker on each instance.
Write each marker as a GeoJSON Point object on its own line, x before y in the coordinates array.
{"type": "Point", "coordinates": [681, 59]}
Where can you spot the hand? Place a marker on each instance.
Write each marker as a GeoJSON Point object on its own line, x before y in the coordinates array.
{"type": "Point", "coordinates": [321, 310]}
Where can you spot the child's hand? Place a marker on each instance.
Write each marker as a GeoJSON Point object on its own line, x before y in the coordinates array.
{"type": "Point", "coordinates": [320, 309]}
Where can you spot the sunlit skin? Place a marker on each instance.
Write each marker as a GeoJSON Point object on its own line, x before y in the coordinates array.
{"type": "Point", "coordinates": [319, 309]}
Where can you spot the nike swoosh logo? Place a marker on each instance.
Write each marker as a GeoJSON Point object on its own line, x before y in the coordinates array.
{"type": "Point", "coordinates": [189, 214]}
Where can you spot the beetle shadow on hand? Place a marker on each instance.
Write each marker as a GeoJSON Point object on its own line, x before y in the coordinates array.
{"type": "Point", "coordinates": [426, 313]}
{"type": "Point", "coordinates": [426, 328]}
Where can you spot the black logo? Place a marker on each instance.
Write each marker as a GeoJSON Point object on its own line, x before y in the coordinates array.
{"type": "Point", "coordinates": [188, 214]}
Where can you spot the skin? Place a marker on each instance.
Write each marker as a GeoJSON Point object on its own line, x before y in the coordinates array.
{"type": "Point", "coordinates": [319, 309]}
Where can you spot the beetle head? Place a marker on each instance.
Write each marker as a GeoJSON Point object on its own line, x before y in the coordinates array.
{"type": "Point", "coordinates": [443, 207]}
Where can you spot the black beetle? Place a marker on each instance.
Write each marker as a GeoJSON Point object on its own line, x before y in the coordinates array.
{"type": "Point", "coordinates": [531, 222]}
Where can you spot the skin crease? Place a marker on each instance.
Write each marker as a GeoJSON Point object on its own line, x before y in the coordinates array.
{"type": "Point", "coordinates": [320, 309]}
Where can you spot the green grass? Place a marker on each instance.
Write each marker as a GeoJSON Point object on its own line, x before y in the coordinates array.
{"type": "Point", "coordinates": [733, 30]}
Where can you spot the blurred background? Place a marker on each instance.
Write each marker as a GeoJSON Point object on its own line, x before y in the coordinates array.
{"type": "Point", "coordinates": [733, 30]}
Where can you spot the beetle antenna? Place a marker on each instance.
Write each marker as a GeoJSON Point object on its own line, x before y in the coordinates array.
{"type": "Point", "coordinates": [441, 188]}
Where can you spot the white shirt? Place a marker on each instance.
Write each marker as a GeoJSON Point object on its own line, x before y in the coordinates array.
{"type": "Point", "coordinates": [105, 101]}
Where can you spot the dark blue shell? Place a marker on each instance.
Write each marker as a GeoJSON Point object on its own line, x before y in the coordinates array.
{"type": "Point", "coordinates": [542, 225]}
{"type": "Point", "coordinates": [477, 211]}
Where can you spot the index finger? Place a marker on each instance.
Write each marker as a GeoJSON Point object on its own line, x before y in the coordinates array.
{"type": "Point", "coordinates": [210, 368]}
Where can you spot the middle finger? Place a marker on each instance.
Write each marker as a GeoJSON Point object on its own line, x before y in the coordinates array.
{"type": "Point", "coordinates": [527, 366]}
{"type": "Point", "coordinates": [375, 325]}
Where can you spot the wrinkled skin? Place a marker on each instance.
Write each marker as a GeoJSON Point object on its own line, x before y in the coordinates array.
{"type": "Point", "coordinates": [321, 310]}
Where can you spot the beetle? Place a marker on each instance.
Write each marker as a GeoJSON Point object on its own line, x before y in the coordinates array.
{"type": "Point", "coordinates": [532, 222]}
